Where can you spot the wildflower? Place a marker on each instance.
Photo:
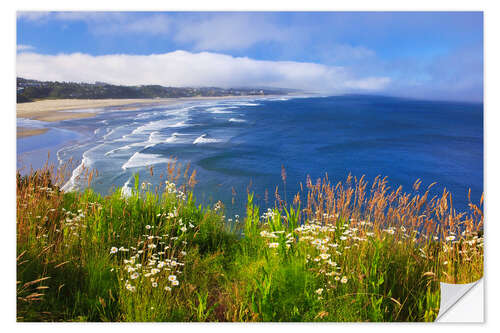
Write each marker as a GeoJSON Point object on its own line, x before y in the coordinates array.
{"type": "Point", "coordinates": [337, 278]}
{"type": "Point", "coordinates": [134, 276]}
{"type": "Point", "coordinates": [445, 263]}
{"type": "Point", "coordinates": [130, 287]}
{"type": "Point", "coordinates": [151, 246]}
{"type": "Point", "coordinates": [324, 256]}
{"type": "Point", "coordinates": [148, 227]}
{"type": "Point", "coordinates": [113, 250]}
{"type": "Point", "coordinates": [344, 279]}
{"type": "Point", "coordinates": [175, 283]}
{"type": "Point", "coordinates": [183, 229]}
{"type": "Point", "coordinates": [273, 245]}
{"type": "Point", "coordinates": [389, 231]}
{"type": "Point", "coordinates": [343, 238]}
{"type": "Point", "coordinates": [167, 288]}
{"type": "Point", "coordinates": [172, 278]}
{"type": "Point", "coordinates": [450, 238]}
{"type": "Point", "coordinates": [154, 284]}
{"type": "Point", "coordinates": [331, 263]}
{"type": "Point", "coordinates": [319, 291]}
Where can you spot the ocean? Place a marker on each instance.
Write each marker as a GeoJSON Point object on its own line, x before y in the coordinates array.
{"type": "Point", "coordinates": [240, 145]}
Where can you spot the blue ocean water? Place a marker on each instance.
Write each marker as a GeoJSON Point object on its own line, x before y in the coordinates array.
{"type": "Point", "coordinates": [238, 145]}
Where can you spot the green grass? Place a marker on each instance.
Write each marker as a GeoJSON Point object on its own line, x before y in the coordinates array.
{"type": "Point", "coordinates": [347, 255]}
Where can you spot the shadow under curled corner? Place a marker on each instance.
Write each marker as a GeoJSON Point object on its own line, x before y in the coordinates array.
{"type": "Point", "coordinates": [462, 303]}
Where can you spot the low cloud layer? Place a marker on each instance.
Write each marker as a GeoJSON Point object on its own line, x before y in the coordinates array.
{"type": "Point", "coordinates": [229, 32]}
{"type": "Point", "coordinates": [181, 68]}
{"type": "Point", "coordinates": [24, 47]}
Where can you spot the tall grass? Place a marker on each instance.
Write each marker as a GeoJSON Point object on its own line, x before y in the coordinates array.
{"type": "Point", "coordinates": [350, 251]}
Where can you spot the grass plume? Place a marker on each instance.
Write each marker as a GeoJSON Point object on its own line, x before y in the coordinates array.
{"type": "Point", "coordinates": [345, 251]}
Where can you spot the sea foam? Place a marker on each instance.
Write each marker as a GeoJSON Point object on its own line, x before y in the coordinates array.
{"type": "Point", "coordinates": [158, 125]}
{"type": "Point", "coordinates": [237, 120]}
{"type": "Point", "coordinates": [205, 139]}
{"type": "Point", "coordinates": [140, 160]}
{"type": "Point", "coordinates": [71, 184]}
{"type": "Point", "coordinates": [222, 109]}
{"type": "Point", "coordinates": [177, 138]}
{"type": "Point", "coordinates": [126, 189]}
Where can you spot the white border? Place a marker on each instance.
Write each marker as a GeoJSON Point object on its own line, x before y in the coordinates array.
{"type": "Point", "coordinates": [492, 110]}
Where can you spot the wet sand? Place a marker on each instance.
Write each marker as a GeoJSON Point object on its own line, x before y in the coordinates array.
{"type": "Point", "coordinates": [53, 110]}
{"type": "Point", "coordinates": [25, 132]}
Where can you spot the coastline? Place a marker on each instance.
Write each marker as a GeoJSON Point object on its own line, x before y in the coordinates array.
{"type": "Point", "coordinates": [23, 132]}
{"type": "Point", "coordinates": [55, 110]}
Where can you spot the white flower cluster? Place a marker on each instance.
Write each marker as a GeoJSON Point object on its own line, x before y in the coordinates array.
{"type": "Point", "coordinates": [171, 188]}
{"type": "Point", "coordinates": [152, 262]}
{"type": "Point", "coordinates": [218, 205]}
{"type": "Point", "coordinates": [269, 214]}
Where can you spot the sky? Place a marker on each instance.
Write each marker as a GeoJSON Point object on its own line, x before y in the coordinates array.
{"type": "Point", "coordinates": [425, 55]}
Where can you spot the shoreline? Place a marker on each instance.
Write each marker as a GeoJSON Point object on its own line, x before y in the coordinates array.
{"type": "Point", "coordinates": [56, 109]}
{"type": "Point", "coordinates": [24, 132]}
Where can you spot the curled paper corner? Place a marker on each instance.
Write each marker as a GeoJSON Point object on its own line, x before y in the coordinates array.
{"type": "Point", "coordinates": [461, 303]}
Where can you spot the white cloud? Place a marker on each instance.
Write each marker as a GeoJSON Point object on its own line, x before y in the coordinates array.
{"type": "Point", "coordinates": [344, 54]}
{"type": "Point", "coordinates": [24, 47]}
{"type": "Point", "coordinates": [122, 23]}
{"type": "Point", "coordinates": [369, 83]}
{"type": "Point", "coordinates": [346, 51]}
{"type": "Point", "coordinates": [181, 68]}
{"type": "Point", "coordinates": [107, 22]}
{"type": "Point", "coordinates": [32, 15]}
{"type": "Point", "coordinates": [229, 32]}
{"type": "Point", "coordinates": [155, 24]}
{"type": "Point", "coordinates": [217, 32]}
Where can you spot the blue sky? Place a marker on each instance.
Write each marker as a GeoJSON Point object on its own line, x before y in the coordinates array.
{"type": "Point", "coordinates": [433, 55]}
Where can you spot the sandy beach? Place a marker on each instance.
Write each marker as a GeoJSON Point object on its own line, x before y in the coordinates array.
{"type": "Point", "coordinates": [24, 132]}
{"type": "Point", "coordinates": [56, 109]}
{"type": "Point", "coordinates": [53, 110]}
